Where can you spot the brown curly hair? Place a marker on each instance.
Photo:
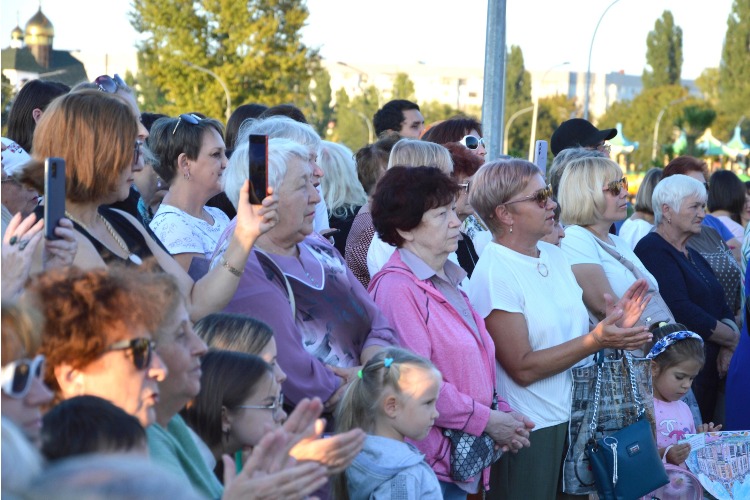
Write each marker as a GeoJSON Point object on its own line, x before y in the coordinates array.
{"type": "Point", "coordinates": [85, 311]}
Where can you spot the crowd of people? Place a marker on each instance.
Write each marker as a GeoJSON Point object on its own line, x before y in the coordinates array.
{"type": "Point", "coordinates": [338, 337]}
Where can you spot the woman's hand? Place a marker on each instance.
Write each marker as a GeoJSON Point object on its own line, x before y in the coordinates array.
{"type": "Point", "coordinates": [723, 360]}
{"type": "Point", "coordinates": [270, 473]}
{"type": "Point", "coordinates": [632, 303]}
{"type": "Point", "coordinates": [509, 430]}
{"type": "Point", "coordinates": [254, 220]}
{"type": "Point", "coordinates": [336, 452]}
{"type": "Point", "coordinates": [709, 427]}
{"type": "Point", "coordinates": [62, 252]}
{"type": "Point", "coordinates": [608, 335]}
{"type": "Point", "coordinates": [20, 240]}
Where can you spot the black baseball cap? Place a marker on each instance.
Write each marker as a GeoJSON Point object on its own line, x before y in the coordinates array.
{"type": "Point", "coordinates": [578, 132]}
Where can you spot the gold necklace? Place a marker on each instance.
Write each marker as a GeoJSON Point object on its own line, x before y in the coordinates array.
{"type": "Point", "coordinates": [131, 256]}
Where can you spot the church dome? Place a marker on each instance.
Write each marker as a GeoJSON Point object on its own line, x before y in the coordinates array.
{"type": "Point", "coordinates": [40, 26]}
{"type": "Point", "coordinates": [16, 34]}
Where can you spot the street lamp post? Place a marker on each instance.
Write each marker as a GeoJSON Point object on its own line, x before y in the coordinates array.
{"type": "Point", "coordinates": [507, 126]}
{"type": "Point", "coordinates": [655, 144]}
{"type": "Point", "coordinates": [536, 110]}
{"type": "Point", "coordinates": [228, 111]}
{"type": "Point", "coordinates": [588, 69]}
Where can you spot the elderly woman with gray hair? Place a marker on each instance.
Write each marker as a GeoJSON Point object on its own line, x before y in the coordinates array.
{"type": "Point", "coordinates": [533, 308]}
{"type": "Point", "coordinates": [324, 322]}
{"type": "Point", "coordinates": [687, 283]}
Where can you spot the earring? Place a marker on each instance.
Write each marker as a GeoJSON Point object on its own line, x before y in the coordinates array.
{"type": "Point", "coordinates": [511, 228]}
{"type": "Point", "coordinates": [186, 175]}
{"type": "Point", "coordinates": [669, 220]}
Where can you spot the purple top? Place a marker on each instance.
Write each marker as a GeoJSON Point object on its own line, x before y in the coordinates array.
{"type": "Point", "coordinates": [334, 318]}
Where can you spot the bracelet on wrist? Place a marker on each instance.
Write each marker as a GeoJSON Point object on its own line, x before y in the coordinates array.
{"type": "Point", "coordinates": [226, 265]}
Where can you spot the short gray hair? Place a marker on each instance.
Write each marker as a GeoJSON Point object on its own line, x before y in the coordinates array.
{"type": "Point", "coordinates": [673, 190]}
{"type": "Point", "coordinates": [418, 153]}
{"type": "Point", "coordinates": [280, 153]}
{"type": "Point", "coordinates": [279, 127]}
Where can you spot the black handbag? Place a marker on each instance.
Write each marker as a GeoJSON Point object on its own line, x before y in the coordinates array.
{"type": "Point", "coordinates": [471, 454]}
{"type": "Point", "coordinates": [625, 464]}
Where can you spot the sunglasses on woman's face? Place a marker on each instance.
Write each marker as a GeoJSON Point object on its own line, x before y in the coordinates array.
{"type": "Point", "coordinates": [110, 84]}
{"type": "Point", "coordinates": [141, 348]}
{"type": "Point", "coordinates": [472, 142]}
{"type": "Point", "coordinates": [540, 197]}
{"type": "Point", "coordinates": [187, 118]}
{"type": "Point", "coordinates": [615, 187]}
{"type": "Point", "coordinates": [17, 376]}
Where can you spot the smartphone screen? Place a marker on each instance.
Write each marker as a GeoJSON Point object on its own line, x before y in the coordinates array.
{"type": "Point", "coordinates": [258, 168]}
{"type": "Point", "coordinates": [54, 195]}
{"type": "Point", "coordinates": [540, 156]}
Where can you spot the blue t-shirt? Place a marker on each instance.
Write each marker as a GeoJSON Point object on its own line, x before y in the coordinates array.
{"type": "Point", "coordinates": [715, 223]}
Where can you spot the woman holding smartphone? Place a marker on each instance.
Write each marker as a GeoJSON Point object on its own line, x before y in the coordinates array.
{"type": "Point", "coordinates": [99, 170]}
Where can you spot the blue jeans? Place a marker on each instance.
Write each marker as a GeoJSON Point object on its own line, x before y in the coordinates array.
{"type": "Point", "coordinates": [452, 492]}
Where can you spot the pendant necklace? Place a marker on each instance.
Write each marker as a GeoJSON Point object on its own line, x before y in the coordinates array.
{"type": "Point", "coordinates": [541, 267]}
{"type": "Point", "coordinates": [131, 256]}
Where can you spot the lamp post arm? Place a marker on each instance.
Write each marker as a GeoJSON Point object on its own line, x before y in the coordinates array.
{"type": "Point", "coordinates": [588, 68]}
{"type": "Point", "coordinates": [510, 121]}
{"type": "Point", "coordinates": [228, 110]}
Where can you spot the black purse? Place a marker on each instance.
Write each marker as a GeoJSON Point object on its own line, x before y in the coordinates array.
{"type": "Point", "coordinates": [625, 464]}
{"type": "Point", "coordinates": [471, 454]}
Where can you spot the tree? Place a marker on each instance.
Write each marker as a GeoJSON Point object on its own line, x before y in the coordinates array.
{"type": "Point", "coordinates": [708, 84]}
{"type": "Point", "coordinates": [695, 119]}
{"type": "Point", "coordinates": [318, 111]}
{"type": "Point", "coordinates": [734, 72]}
{"type": "Point", "coordinates": [517, 97]}
{"type": "Point", "coordinates": [253, 46]}
{"type": "Point", "coordinates": [434, 111]}
{"type": "Point", "coordinates": [403, 88]}
{"type": "Point", "coordinates": [354, 117]}
{"type": "Point", "coordinates": [7, 100]}
{"type": "Point", "coordinates": [663, 53]}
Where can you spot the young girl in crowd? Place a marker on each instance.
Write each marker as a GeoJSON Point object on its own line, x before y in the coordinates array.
{"type": "Point", "coordinates": [392, 399]}
{"type": "Point", "coordinates": [676, 358]}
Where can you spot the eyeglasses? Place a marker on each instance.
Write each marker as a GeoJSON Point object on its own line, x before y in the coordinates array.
{"type": "Point", "coordinates": [472, 142]}
{"type": "Point", "coordinates": [615, 187]}
{"type": "Point", "coordinates": [137, 153]}
{"type": "Point", "coordinates": [17, 376]}
{"type": "Point", "coordinates": [276, 407]}
{"type": "Point", "coordinates": [540, 197]}
{"type": "Point", "coordinates": [189, 118]}
{"type": "Point", "coordinates": [110, 84]}
{"type": "Point", "coordinates": [465, 186]}
{"type": "Point", "coordinates": [142, 349]}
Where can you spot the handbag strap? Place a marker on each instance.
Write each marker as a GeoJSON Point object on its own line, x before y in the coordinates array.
{"type": "Point", "coordinates": [640, 407]}
{"type": "Point", "coordinates": [625, 262]}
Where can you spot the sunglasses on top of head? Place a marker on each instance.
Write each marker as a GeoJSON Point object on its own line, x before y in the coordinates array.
{"type": "Point", "coordinates": [187, 118]}
{"type": "Point", "coordinates": [142, 349]}
{"type": "Point", "coordinates": [472, 142]}
{"type": "Point", "coordinates": [17, 376]}
{"type": "Point", "coordinates": [615, 187]}
{"type": "Point", "coordinates": [540, 197]}
{"type": "Point", "coordinates": [110, 84]}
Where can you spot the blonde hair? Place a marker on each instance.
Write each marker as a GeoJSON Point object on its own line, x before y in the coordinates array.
{"type": "Point", "coordinates": [416, 153]}
{"type": "Point", "coordinates": [582, 197]}
{"type": "Point", "coordinates": [496, 183]}
{"type": "Point", "coordinates": [341, 188]}
{"type": "Point", "coordinates": [21, 332]}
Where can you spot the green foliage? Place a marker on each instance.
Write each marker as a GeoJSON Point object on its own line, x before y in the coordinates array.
{"type": "Point", "coordinates": [8, 94]}
{"type": "Point", "coordinates": [318, 111]}
{"type": "Point", "coordinates": [517, 97]}
{"type": "Point", "coordinates": [354, 118]}
{"type": "Point", "coordinates": [734, 73]}
{"type": "Point", "coordinates": [663, 53]}
{"type": "Point", "coordinates": [403, 88]}
{"type": "Point", "coordinates": [434, 111]}
{"type": "Point", "coordinates": [638, 118]}
{"type": "Point", "coordinates": [695, 119]}
{"type": "Point", "coordinates": [708, 84]}
{"type": "Point", "coordinates": [254, 46]}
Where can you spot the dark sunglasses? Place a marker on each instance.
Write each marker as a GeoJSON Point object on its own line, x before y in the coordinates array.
{"type": "Point", "coordinates": [142, 349]}
{"type": "Point", "coordinates": [472, 142]}
{"type": "Point", "coordinates": [187, 118]}
{"type": "Point", "coordinates": [137, 153]}
{"type": "Point", "coordinates": [17, 376]}
{"type": "Point", "coordinates": [615, 187]}
{"type": "Point", "coordinates": [540, 197]}
{"type": "Point", "coordinates": [110, 84]}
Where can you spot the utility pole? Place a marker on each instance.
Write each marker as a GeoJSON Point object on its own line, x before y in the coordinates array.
{"type": "Point", "coordinates": [493, 104]}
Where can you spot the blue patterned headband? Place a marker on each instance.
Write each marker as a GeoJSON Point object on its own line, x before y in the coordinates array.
{"type": "Point", "coordinates": [669, 339]}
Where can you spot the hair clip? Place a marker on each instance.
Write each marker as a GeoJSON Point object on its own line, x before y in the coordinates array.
{"type": "Point", "coordinates": [662, 344]}
{"type": "Point", "coordinates": [359, 374]}
{"type": "Point", "coordinates": [387, 362]}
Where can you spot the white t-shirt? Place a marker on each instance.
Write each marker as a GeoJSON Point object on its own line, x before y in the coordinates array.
{"type": "Point", "coordinates": [580, 247]}
{"type": "Point", "coordinates": [736, 229]}
{"type": "Point", "coordinates": [553, 308]}
{"type": "Point", "coordinates": [632, 230]}
{"type": "Point", "coordinates": [180, 232]}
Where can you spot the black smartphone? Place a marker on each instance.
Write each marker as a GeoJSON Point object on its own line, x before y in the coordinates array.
{"type": "Point", "coordinates": [54, 195]}
{"type": "Point", "coordinates": [258, 168]}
